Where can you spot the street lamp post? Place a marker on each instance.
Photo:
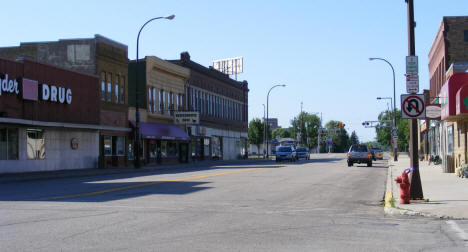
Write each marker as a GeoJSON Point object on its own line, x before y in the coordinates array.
{"type": "Point", "coordinates": [137, 112]}
{"type": "Point", "coordinates": [395, 156]}
{"type": "Point", "coordinates": [268, 95]}
{"type": "Point", "coordinates": [264, 131]}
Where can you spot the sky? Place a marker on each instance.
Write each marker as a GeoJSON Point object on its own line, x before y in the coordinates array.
{"type": "Point", "coordinates": [319, 49]}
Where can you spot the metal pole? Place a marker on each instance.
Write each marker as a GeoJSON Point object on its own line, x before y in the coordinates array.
{"type": "Point", "coordinates": [264, 131]}
{"type": "Point", "coordinates": [416, 187]}
{"type": "Point", "coordinates": [137, 107]}
{"type": "Point", "coordinates": [268, 95]}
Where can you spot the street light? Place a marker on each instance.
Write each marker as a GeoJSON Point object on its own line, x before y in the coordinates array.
{"type": "Point", "coordinates": [395, 158]}
{"type": "Point", "coordinates": [137, 113]}
{"type": "Point", "coordinates": [386, 98]}
{"type": "Point", "coordinates": [267, 115]}
{"type": "Point", "coordinates": [264, 130]}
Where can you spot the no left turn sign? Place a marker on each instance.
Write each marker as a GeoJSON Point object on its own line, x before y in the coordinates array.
{"type": "Point", "coordinates": [413, 106]}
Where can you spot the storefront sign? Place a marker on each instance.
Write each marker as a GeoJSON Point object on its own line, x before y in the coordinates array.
{"type": "Point", "coordinates": [31, 91]}
{"type": "Point", "coordinates": [433, 112]}
{"type": "Point", "coordinates": [186, 117]}
{"type": "Point", "coordinates": [8, 86]}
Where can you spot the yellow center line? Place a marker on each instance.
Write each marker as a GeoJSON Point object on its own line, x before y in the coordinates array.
{"type": "Point", "coordinates": [122, 188]}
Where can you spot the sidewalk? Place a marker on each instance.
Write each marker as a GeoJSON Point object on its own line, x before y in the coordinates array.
{"type": "Point", "coordinates": [447, 193]}
{"type": "Point", "coordinates": [42, 175]}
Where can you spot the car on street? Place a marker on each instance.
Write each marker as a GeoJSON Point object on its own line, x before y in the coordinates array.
{"type": "Point", "coordinates": [359, 154]}
{"type": "Point", "coordinates": [286, 153]}
{"type": "Point", "coordinates": [376, 154]}
{"type": "Point", "coordinates": [302, 152]}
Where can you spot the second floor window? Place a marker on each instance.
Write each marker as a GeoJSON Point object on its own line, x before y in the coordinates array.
{"type": "Point", "coordinates": [109, 87]}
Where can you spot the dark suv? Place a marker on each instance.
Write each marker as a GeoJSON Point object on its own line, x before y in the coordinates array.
{"type": "Point", "coordinates": [359, 154]}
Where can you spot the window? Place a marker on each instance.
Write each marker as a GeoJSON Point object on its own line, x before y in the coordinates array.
{"type": "Point", "coordinates": [459, 133]}
{"type": "Point", "coordinates": [120, 146]}
{"type": "Point", "coordinates": [160, 102]}
{"type": "Point", "coordinates": [107, 146]}
{"type": "Point", "coordinates": [155, 101]}
{"type": "Point", "coordinates": [117, 89]}
{"type": "Point", "coordinates": [122, 90]}
{"type": "Point", "coordinates": [8, 144]}
{"type": "Point", "coordinates": [130, 151]}
{"type": "Point", "coordinates": [103, 86]}
{"type": "Point", "coordinates": [163, 102]}
{"type": "Point", "coordinates": [150, 102]}
{"type": "Point", "coordinates": [109, 87]}
{"type": "Point", "coordinates": [465, 34]}
{"type": "Point", "coordinates": [177, 102]}
{"type": "Point", "coordinates": [450, 140]}
{"type": "Point", "coordinates": [35, 143]}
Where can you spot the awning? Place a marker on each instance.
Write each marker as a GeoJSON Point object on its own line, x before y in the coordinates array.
{"type": "Point", "coordinates": [161, 131]}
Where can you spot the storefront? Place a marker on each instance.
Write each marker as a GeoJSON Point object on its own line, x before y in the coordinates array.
{"type": "Point", "coordinates": [163, 143]}
{"type": "Point", "coordinates": [49, 118]}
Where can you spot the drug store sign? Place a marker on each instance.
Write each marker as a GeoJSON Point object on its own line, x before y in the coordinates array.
{"type": "Point", "coordinates": [32, 90]}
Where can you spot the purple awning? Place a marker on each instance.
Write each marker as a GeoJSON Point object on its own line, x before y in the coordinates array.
{"type": "Point", "coordinates": [161, 131]}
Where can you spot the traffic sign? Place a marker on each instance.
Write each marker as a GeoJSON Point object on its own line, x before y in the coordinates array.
{"type": "Point", "coordinates": [394, 132]}
{"type": "Point", "coordinates": [412, 83]}
{"type": "Point", "coordinates": [413, 106]}
{"type": "Point", "coordinates": [411, 64]}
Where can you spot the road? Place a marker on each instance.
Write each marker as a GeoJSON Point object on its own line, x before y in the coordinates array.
{"type": "Point", "coordinates": [315, 205]}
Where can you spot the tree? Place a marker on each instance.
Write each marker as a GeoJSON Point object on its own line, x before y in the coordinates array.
{"type": "Point", "coordinates": [255, 132]}
{"type": "Point", "coordinates": [384, 134]}
{"type": "Point", "coordinates": [281, 133]}
{"type": "Point", "coordinates": [340, 138]}
{"type": "Point", "coordinates": [354, 138]}
{"type": "Point", "coordinates": [305, 129]}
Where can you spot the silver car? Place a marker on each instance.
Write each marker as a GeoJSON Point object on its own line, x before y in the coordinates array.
{"type": "Point", "coordinates": [359, 154]}
{"type": "Point", "coordinates": [286, 153]}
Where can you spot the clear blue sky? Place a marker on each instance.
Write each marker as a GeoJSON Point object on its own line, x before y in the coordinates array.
{"type": "Point", "coordinates": [319, 49]}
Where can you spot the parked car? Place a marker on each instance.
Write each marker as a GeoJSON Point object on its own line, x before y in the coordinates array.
{"type": "Point", "coordinates": [303, 152]}
{"type": "Point", "coordinates": [286, 153]}
{"type": "Point", "coordinates": [359, 154]}
{"type": "Point", "coordinates": [376, 154]}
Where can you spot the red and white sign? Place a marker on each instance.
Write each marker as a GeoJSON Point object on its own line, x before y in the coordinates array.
{"type": "Point", "coordinates": [433, 112]}
{"type": "Point", "coordinates": [413, 107]}
{"type": "Point", "coordinates": [412, 83]}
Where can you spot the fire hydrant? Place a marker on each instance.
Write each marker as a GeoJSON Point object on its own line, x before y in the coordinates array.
{"type": "Point", "coordinates": [404, 182]}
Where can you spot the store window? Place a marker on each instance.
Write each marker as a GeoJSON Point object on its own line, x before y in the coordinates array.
{"type": "Point", "coordinates": [35, 142]}
{"type": "Point", "coordinates": [206, 144]}
{"type": "Point", "coordinates": [172, 149]}
{"type": "Point", "coordinates": [107, 145]}
{"type": "Point", "coordinates": [120, 146]}
{"type": "Point", "coordinates": [8, 144]}
{"type": "Point", "coordinates": [103, 86]}
{"type": "Point", "coordinates": [450, 140]}
{"type": "Point", "coordinates": [163, 149]}
{"type": "Point", "coordinates": [152, 148]}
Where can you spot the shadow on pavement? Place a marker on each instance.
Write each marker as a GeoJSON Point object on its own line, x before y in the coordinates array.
{"type": "Point", "coordinates": [90, 191]}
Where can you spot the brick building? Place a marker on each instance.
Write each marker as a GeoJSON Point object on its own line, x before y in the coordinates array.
{"type": "Point", "coordinates": [223, 106]}
{"type": "Point", "coordinates": [448, 59]}
{"type": "Point", "coordinates": [98, 56]}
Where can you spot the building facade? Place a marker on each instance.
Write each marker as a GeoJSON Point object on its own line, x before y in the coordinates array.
{"type": "Point", "coordinates": [223, 106]}
{"type": "Point", "coordinates": [49, 118]}
{"type": "Point", "coordinates": [98, 56]}
{"type": "Point", "coordinates": [162, 93]}
{"type": "Point", "coordinates": [447, 138]}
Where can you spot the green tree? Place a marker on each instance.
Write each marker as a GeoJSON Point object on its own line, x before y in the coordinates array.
{"type": "Point", "coordinates": [255, 132]}
{"type": "Point", "coordinates": [306, 126]}
{"type": "Point", "coordinates": [354, 138]}
{"type": "Point", "coordinates": [281, 133]}
{"type": "Point", "coordinates": [384, 134]}
{"type": "Point", "coordinates": [339, 135]}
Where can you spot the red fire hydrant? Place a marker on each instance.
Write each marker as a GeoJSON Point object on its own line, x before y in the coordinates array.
{"type": "Point", "coordinates": [404, 182]}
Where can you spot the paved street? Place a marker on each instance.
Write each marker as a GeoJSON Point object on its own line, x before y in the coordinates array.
{"type": "Point", "coordinates": [314, 205]}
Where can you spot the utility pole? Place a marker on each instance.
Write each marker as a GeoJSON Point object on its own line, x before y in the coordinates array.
{"type": "Point", "coordinates": [416, 192]}
{"type": "Point", "coordinates": [300, 132]}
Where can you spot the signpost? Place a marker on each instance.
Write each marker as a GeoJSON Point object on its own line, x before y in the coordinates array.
{"type": "Point", "coordinates": [413, 106]}
{"type": "Point", "coordinates": [412, 75]}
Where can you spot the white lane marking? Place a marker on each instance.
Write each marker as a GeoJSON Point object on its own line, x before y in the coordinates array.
{"type": "Point", "coordinates": [460, 232]}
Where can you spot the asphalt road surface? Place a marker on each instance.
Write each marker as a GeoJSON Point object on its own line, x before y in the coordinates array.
{"type": "Point", "coordinates": [315, 205]}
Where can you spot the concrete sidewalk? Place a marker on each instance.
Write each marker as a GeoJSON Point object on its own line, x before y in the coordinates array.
{"type": "Point", "coordinates": [446, 193]}
{"type": "Point", "coordinates": [42, 175]}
